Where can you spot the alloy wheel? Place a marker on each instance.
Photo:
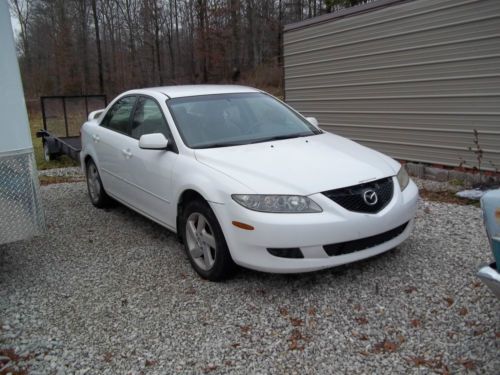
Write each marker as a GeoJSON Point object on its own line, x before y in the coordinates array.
{"type": "Point", "coordinates": [93, 182]}
{"type": "Point", "coordinates": [200, 241]}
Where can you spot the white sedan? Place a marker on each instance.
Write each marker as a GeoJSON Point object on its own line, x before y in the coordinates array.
{"type": "Point", "coordinates": [244, 179]}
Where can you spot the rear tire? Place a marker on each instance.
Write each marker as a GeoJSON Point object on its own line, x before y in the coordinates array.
{"type": "Point", "coordinates": [46, 153]}
{"type": "Point", "coordinates": [204, 242]}
{"type": "Point", "coordinates": [97, 194]}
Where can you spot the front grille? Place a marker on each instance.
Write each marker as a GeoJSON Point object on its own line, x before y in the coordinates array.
{"type": "Point", "coordinates": [342, 248]}
{"type": "Point", "coordinates": [351, 198]}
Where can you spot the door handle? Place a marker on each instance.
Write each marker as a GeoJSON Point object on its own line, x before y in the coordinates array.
{"type": "Point", "coordinates": [127, 153]}
{"type": "Point", "coordinates": [95, 137]}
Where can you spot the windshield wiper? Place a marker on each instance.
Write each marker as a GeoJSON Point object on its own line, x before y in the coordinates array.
{"type": "Point", "coordinates": [240, 143]}
{"type": "Point", "coordinates": [280, 137]}
{"type": "Point", "coordinates": [221, 144]}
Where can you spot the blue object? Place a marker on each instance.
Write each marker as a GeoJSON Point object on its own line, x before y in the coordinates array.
{"type": "Point", "coordinates": [496, 251]}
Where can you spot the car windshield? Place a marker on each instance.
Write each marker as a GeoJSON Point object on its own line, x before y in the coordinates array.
{"type": "Point", "coordinates": [221, 120]}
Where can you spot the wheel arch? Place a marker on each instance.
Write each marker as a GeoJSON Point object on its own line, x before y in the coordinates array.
{"type": "Point", "coordinates": [187, 195]}
{"type": "Point", "coordinates": [87, 158]}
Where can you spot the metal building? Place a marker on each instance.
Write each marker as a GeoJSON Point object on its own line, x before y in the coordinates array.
{"type": "Point", "coordinates": [412, 79]}
{"type": "Point", "coordinates": [21, 215]}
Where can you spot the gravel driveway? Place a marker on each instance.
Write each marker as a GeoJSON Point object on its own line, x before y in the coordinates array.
{"type": "Point", "coordinates": [108, 291]}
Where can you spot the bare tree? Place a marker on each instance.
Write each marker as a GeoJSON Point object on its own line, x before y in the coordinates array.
{"type": "Point", "coordinates": [76, 46]}
{"type": "Point", "coordinates": [98, 46]}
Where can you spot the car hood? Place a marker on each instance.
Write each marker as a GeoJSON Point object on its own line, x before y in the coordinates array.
{"type": "Point", "coordinates": [302, 166]}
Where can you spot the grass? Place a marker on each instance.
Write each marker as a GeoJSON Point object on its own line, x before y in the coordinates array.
{"type": "Point", "coordinates": [62, 162]}
{"type": "Point", "coordinates": [49, 180]}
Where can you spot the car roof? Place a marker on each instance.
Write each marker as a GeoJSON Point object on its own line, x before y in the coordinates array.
{"type": "Point", "coordinates": [195, 90]}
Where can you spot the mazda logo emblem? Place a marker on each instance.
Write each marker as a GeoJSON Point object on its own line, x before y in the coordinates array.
{"type": "Point", "coordinates": [370, 197]}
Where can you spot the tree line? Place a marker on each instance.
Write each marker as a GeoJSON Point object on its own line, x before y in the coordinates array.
{"type": "Point", "coordinates": [108, 46]}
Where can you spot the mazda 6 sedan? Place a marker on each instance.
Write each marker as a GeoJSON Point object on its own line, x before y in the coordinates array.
{"type": "Point", "coordinates": [244, 179]}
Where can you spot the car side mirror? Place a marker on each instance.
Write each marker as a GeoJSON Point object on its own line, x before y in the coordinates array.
{"type": "Point", "coordinates": [313, 121]}
{"type": "Point", "coordinates": [155, 141]}
{"type": "Point", "coordinates": [95, 114]}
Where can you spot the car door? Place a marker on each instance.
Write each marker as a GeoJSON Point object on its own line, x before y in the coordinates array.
{"type": "Point", "coordinates": [111, 140]}
{"type": "Point", "coordinates": [152, 169]}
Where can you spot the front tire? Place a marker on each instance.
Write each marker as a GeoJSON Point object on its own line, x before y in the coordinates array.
{"type": "Point", "coordinates": [204, 242]}
{"type": "Point", "coordinates": [97, 194]}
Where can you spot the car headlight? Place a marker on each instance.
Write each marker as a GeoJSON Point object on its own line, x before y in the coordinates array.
{"type": "Point", "coordinates": [277, 203]}
{"type": "Point", "coordinates": [403, 178]}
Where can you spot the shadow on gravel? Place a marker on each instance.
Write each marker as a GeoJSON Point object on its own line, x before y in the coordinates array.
{"type": "Point", "coordinates": [352, 270]}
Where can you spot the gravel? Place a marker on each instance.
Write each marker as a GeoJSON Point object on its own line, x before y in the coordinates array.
{"type": "Point", "coordinates": [62, 172]}
{"type": "Point", "coordinates": [108, 291]}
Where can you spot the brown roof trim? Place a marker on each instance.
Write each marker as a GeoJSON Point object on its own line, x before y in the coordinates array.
{"type": "Point", "coordinates": [347, 12]}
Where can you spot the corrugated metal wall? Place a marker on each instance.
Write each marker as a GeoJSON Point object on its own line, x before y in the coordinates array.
{"type": "Point", "coordinates": [411, 79]}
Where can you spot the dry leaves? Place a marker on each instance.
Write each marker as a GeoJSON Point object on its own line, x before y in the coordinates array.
{"type": "Point", "coordinates": [296, 322]}
{"type": "Point", "coordinates": [478, 332]}
{"type": "Point", "coordinates": [295, 339]}
{"type": "Point", "coordinates": [385, 347]}
{"type": "Point", "coordinates": [283, 311]}
{"type": "Point", "coordinates": [361, 320]}
{"type": "Point", "coordinates": [463, 311]}
{"type": "Point", "coordinates": [150, 363]}
{"type": "Point", "coordinates": [435, 364]}
{"type": "Point", "coordinates": [11, 358]}
{"type": "Point", "coordinates": [210, 367]}
{"type": "Point", "coordinates": [415, 323]}
{"type": "Point", "coordinates": [107, 357]}
{"type": "Point", "coordinates": [410, 290]}
{"type": "Point", "coordinates": [469, 364]}
{"type": "Point", "coordinates": [312, 311]}
{"type": "Point", "coordinates": [245, 329]}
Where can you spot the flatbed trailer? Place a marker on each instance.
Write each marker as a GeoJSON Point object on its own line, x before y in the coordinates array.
{"type": "Point", "coordinates": [60, 133]}
{"type": "Point", "coordinates": [54, 146]}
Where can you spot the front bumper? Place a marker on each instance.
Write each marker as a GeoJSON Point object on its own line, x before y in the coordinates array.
{"type": "Point", "coordinates": [491, 277]}
{"type": "Point", "coordinates": [311, 232]}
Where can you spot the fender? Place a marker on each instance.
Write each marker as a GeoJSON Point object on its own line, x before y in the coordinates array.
{"type": "Point", "coordinates": [87, 148]}
{"type": "Point", "coordinates": [202, 180]}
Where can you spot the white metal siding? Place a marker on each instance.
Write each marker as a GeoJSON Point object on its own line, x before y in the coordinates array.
{"type": "Point", "coordinates": [14, 118]}
{"type": "Point", "coordinates": [412, 79]}
{"type": "Point", "coordinates": [21, 213]}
